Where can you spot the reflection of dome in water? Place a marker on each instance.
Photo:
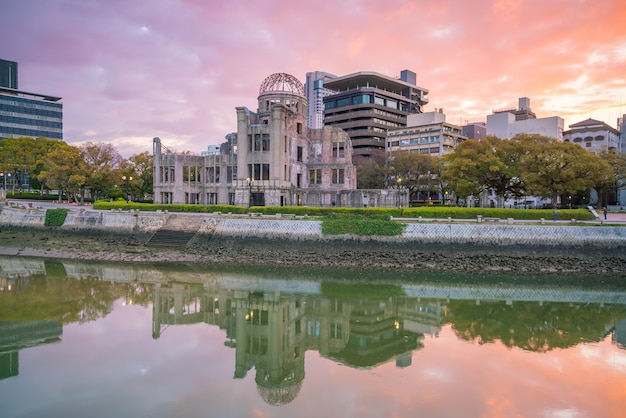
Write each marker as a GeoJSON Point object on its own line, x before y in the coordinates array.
{"type": "Point", "coordinates": [282, 395]}
{"type": "Point", "coordinates": [282, 83]}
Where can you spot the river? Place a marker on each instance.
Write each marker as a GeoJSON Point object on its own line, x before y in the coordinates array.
{"type": "Point", "coordinates": [104, 339]}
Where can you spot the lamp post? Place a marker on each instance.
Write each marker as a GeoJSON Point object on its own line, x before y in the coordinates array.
{"type": "Point", "coordinates": [250, 180]}
{"type": "Point", "coordinates": [127, 179]}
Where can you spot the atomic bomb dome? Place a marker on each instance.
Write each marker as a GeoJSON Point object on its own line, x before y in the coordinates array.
{"type": "Point", "coordinates": [282, 83]}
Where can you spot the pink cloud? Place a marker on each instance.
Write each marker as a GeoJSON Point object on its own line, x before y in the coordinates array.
{"type": "Point", "coordinates": [178, 69]}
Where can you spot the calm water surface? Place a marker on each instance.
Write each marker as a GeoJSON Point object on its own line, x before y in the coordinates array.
{"type": "Point", "coordinates": [94, 340]}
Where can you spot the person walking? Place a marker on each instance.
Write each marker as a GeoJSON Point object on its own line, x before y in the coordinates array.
{"type": "Point", "coordinates": [604, 211]}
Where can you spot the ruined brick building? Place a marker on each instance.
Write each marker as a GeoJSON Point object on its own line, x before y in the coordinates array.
{"type": "Point", "coordinates": [273, 159]}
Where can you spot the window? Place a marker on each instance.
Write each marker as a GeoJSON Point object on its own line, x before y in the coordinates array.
{"type": "Point", "coordinates": [361, 99]}
{"type": "Point", "coordinates": [392, 104]}
{"type": "Point", "coordinates": [265, 172]}
{"type": "Point", "coordinates": [231, 173]}
{"type": "Point", "coordinates": [257, 142]}
{"type": "Point", "coordinates": [343, 102]}
{"type": "Point", "coordinates": [379, 101]}
{"type": "Point", "coordinates": [299, 180]}
{"type": "Point", "coordinates": [265, 142]}
{"type": "Point", "coordinates": [329, 105]}
{"type": "Point", "coordinates": [299, 156]}
{"type": "Point", "coordinates": [211, 198]}
{"type": "Point", "coordinates": [338, 150]}
{"type": "Point", "coordinates": [338, 175]}
{"type": "Point", "coordinates": [299, 128]}
{"type": "Point", "coordinates": [315, 176]}
{"type": "Point", "coordinates": [259, 171]}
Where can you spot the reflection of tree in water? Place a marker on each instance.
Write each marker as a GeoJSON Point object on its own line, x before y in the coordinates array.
{"type": "Point", "coordinates": [532, 326]}
{"type": "Point", "coordinates": [56, 297]}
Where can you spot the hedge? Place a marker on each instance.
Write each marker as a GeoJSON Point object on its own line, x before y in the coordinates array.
{"type": "Point", "coordinates": [436, 212]}
{"type": "Point", "coordinates": [55, 217]}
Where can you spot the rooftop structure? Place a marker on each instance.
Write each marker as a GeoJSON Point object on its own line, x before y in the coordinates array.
{"type": "Point", "coordinates": [366, 104]}
{"type": "Point", "coordinates": [507, 123]}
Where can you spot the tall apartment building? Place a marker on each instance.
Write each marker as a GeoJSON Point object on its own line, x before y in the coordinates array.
{"type": "Point", "coordinates": [315, 93]}
{"type": "Point", "coordinates": [426, 133]}
{"type": "Point", "coordinates": [24, 113]}
{"type": "Point", "coordinates": [367, 104]}
{"type": "Point", "coordinates": [507, 123]}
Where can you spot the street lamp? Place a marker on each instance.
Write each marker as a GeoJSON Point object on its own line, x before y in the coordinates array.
{"type": "Point", "coordinates": [250, 180]}
{"type": "Point", "coordinates": [126, 180]}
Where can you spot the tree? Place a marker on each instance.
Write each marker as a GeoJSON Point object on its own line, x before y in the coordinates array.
{"type": "Point", "coordinates": [101, 160]}
{"type": "Point", "coordinates": [23, 155]}
{"type": "Point", "coordinates": [143, 168]}
{"type": "Point", "coordinates": [488, 164]}
{"type": "Point", "coordinates": [551, 168]}
{"type": "Point", "coordinates": [370, 172]}
{"type": "Point", "coordinates": [64, 169]}
{"type": "Point", "coordinates": [617, 161]}
{"type": "Point", "coordinates": [413, 171]}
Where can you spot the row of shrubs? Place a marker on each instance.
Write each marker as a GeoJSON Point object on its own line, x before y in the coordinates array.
{"type": "Point", "coordinates": [437, 212]}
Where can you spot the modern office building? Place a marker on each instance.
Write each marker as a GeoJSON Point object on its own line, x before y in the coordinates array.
{"type": "Point", "coordinates": [8, 74]}
{"type": "Point", "coordinates": [475, 130]}
{"type": "Point", "coordinates": [507, 123]}
{"type": "Point", "coordinates": [273, 159]}
{"type": "Point", "coordinates": [24, 113]}
{"type": "Point", "coordinates": [367, 104]}
{"type": "Point", "coordinates": [426, 133]}
{"type": "Point", "coordinates": [315, 93]}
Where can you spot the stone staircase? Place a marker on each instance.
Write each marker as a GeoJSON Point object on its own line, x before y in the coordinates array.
{"type": "Point", "coordinates": [176, 233]}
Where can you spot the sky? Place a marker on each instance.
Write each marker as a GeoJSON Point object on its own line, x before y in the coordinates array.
{"type": "Point", "coordinates": [129, 71]}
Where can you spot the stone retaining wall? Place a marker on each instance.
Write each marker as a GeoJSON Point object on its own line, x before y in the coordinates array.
{"type": "Point", "coordinates": [291, 229]}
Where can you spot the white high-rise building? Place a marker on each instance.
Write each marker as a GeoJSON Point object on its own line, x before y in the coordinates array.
{"type": "Point", "coordinates": [315, 93]}
{"type": "Point", "coordinates": [507, 123]}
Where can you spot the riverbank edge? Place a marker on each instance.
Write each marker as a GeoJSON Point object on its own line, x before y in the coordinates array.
{"type": "Point", "coordinates": [371, 253]}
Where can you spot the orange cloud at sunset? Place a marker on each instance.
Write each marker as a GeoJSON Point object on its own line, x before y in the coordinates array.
{"type": "Point", "coordinates": [178, 69]}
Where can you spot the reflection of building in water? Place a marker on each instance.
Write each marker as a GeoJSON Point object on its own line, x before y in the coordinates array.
{"type": "Point", "coordinates": [619, 334]}
{"type": "Point", "coordinates": [271, 330]}
{"type": "Point", "coordinates": [17, 335]}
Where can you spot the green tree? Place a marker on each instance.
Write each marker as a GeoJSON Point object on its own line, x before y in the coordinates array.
{"type": "Point", "coordinates": [415, 172]}
{"type": "Point", "coordinates": [102, 161]}
{"type": "Point", "coordinates": [617, 161]}
{"type": "Point", "coordinates": [550, 168]}
{"type": "Point", "coordinates": [143, 168]}
{"type": "Point", "coordinates": [24, 155]}
{"type": "Point", "coordinates": [370, 172]}
{"type": "Point", "coordinates": [64, 169]}
{"type": "Point", "coordinates": [489, 164]}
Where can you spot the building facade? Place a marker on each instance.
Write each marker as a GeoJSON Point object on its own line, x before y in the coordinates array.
{"type": "Point", "coordinates": [8, 74]}
{"type": "Point", "coordinates": [507, 123]}
{"type": "Point", "coordinates": [273, 159]}
{"type": "Point", "coordinates": [27, 114]}
{"type": "Point", "coordinates": [594, 136]}
{"type": "Point", "coordinates": [426, 133]}
{"type": "Point", "coordinates": [367, 104]}
{"type": "Point", "coordinates": [315, 93]}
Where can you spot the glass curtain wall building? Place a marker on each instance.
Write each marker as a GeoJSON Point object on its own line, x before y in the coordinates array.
{"type": "Point", "coordinates": [30, 114]}
{"type": "Point", "coordinates": [27, 114]}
